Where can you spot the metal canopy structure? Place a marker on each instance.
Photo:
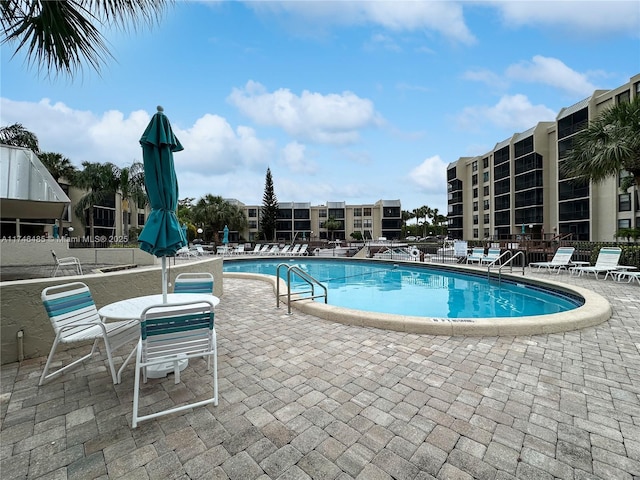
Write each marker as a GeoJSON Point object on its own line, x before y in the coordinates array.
{"type": "Point", "coordinates": [27, 189]}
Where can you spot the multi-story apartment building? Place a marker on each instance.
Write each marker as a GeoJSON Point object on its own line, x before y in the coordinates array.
{"type": "Point", "coordinates": [300, 221]}
{"type": "Point", "coordinates": [518, 188]}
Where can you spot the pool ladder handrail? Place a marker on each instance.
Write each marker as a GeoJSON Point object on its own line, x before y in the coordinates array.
{"type": "Point", "coordinates": [508, 262]}
{"type": "Point", "coordinates": [311, 281]}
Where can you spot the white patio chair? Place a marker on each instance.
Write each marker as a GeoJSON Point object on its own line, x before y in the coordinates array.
{"type": "Point", "coordinates": [476, 255]}
{"type": "Point", "coordinates": [561, 260]}
{"type": "Point", "coordinates": [170, 333]}
{"type": "Point", "coordinates": [197, 282]}
{"type": "Point", "coordinates": [65, 262]}
{"type": "Point", "coordinates": [303, 250]}
{"type": "Point", "coordinates": [185, 252]}
{"type": "Point", "coordinates": [74, 319]}
{"type": "Point", "coordinates": [492, 255]}
{"type": "Point", "coordinates": [607, 261]}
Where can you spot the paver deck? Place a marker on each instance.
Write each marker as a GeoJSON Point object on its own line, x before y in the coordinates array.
{"type": "Point", "coordinates": [303, 398]}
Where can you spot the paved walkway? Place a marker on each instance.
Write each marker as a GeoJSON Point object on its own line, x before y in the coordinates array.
{"type": "Point", "coordinates": [303, 398]}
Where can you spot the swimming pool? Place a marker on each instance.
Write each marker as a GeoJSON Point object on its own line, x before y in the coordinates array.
{"type": "Point", "coordinates": [426, 295]}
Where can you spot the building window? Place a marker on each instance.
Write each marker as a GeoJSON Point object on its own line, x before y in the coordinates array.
{"type": "Point", "coordinates": [475, 233]}
{"type": "Point", "coordinates": [357, 212]}
{"type": "Point", "coordinates": [485, 162]}
{"type": "Point", "coordinates": [252, 213]}
{"type": "Point", "coordinates": [357, 223]}
{"type": "Point", "coordinates": [322, 213]}
{"type": "Point", "coordinates": [475, 206]}
{"type": "Point", "coordinates": [475, 220]}
{"type": "Point", "coordinates": [474, 166]}
{"type": "Point", "coordinates": [486, 205]}
{"type": "Point", "coordinates": [486, 218]}
{"type": "Point", "coordinates": [485, 191]}
{"type": "Point", "coordinates": [624, 223]}
{"type": "Point", "coordinates": [475, 193]}
{"type": "Point", "coordinates": [366, 212]}
{"type": "Point", "coordinates": [486, 233]}
{"type": "Point", "coordinates": [367, 223]}
{"type": "Point", "coordinates": [474, 179]}
{"type": "Point", "coordinates": [140, 219]}
{"type": "Point", "coordinates": [624, 97]}
{"type": "Point", "coordinates": [485, 177]}
{"type": "Point", "coordinates": [253, 224]}
{"type": "Point", "coordinates": [624, 202]}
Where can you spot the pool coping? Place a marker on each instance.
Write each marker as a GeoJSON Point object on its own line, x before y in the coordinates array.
{"type": "Point", "coordinates": [595, 310]}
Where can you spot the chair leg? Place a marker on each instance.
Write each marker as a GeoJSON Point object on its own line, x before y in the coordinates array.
{"type": "Point", "coordinates": [46, 376]}
{"type": "Point", "coordinates": [136, 388]}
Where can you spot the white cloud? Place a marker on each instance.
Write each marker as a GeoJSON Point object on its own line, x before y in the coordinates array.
{"type": "Point", "coordinates": [443, 17]}
{"type": "Point", "coordinates": [331, 119]}
{"type": "Point", "coordinates": [487, 77]}
{"type": "Point", "coordinates": [295, 159]}
{"type": "Point", "coordinates": [581, 18]}
{"type": "Point", "coordinates": [212, 147]}
{"type": "Point", "coordinates": [430, 176]}
{"type": "Point", "coordinates": [553, 72]}
{"type": "Point", "coordinates": [512, 112]}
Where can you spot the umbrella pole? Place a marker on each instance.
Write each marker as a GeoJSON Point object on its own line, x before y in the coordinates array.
{"type": "Point", "coordinates": [164, 279]}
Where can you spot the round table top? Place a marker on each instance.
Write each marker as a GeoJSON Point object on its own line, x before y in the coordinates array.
{"type": "Point", "coordinates": [133, 307]}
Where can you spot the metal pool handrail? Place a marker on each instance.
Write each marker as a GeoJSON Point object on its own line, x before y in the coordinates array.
{"type": "Point", "coordinates": [508, 262]}
{"type": "Point", "coordinates": [306, 278]}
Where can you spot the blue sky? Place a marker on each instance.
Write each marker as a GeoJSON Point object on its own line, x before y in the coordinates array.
{"type": "Point", "coordinates": [344, 101]}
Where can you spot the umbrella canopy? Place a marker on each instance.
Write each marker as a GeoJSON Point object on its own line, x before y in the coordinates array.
{"type": "Point", "coordinates": [162, 235]}
{"type": "Point", "coordinates": [225, 235]}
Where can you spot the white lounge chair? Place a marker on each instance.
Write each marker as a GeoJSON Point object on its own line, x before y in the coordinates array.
{"type": "Point", "coordinates": [264, 250]}
{"type": "Point", "coordinates": [75, 319]}
{"type": "Point", "coordinates": [294, 251]}
{"type": "Point", "coordinates": [629, 275]}
{"type": "Point", "coordinates": [168, 334]}
{"type": "Point", "coordinates": [492, 255]}
{"type": "Point", "coordinates": [607, 261]}
{"type": "Point", "coordinates": [303, 250]}
{"type": "Point", "coordinates": [476, 256]}
{"type": "Point", "coordinates": [285, 250]}
{"type": "Point", "coordinates": [273, 250]}
{"type": "Point", "coordinates": [185, 252]}
{"type": "Point", "coordinates": [561, 260]}
{"type": "Point", "coordinates": [256, 249]}
{"type": "Point", "coordinates": [65, 262]}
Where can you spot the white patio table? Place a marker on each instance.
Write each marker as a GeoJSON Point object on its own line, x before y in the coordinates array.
{"type": "Point", "coordinates": [133, 308]}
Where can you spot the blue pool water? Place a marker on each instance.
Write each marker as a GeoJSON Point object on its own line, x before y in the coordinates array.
{"type": "Point", "coordinates": [405, 289]}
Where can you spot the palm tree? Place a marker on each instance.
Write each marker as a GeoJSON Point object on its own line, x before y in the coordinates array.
{"type": "Point", "coordinates": [59, 166]}
{"type": "Point", "coordinates": [131, 187]}
{"type": "Point", "coordinates": [102, 182]}
{"type": "Point", "coordinates": [59, 36]}
{"type": "Point", "coordinates": [609, 144]}
{"type": "Point", "coordinates": [214, 212]}
{"type": "Point", "coordinates": [18, 136]}
{"type": "Point", "coordinates": [331, 224]}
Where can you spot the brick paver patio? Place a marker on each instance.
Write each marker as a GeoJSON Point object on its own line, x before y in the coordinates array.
{"type": "Point", "coordinates": [302, 398]}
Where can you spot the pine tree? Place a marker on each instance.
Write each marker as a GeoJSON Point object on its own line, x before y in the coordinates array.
{"type": "Point", "coordinates": [269, 215]}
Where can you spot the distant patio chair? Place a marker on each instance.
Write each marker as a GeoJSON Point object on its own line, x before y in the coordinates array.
{"type": "Point", "coordinates": [476, 256]}
{"type": "Point", "coordinates": [285, 250]}
{"type": "Point", "coordinates": [74, 319]}
{"type": "Point", "coordinates": [66, 262]}
{"type": "Point", "coordinates": [296, 248]}
{"type": "Point", "coordinates": [492, 255]}
{"type": "Point", "coordinates": [170, 333]}
{"type": "Point", "coordinates": [303, 250]}
{"type": "Point", "coordinates": [561, 260]}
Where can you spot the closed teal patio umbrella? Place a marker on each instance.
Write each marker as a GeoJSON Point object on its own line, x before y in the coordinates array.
{"type": "Point", "coordinates": [162, 235]}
